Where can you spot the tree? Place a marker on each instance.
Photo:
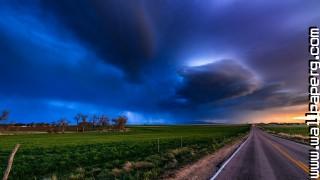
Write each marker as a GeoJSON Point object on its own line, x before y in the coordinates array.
{"type": "Point", "coordinates": [94, 120]}
{"type": "Point", "coordinates": [103, 121]}
{"type": "Point", "coordinates": [63, 123]}
{"type": "Point", "coordinates": [77, 118]}
{"type": "Point", "coordinates": [84, 122]}
{"type": "Point", "coordinates": [120, 122]}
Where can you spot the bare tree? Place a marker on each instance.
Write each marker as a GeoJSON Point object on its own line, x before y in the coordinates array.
{"type": "Point", "coordinates": [103, 121]}
{"type": "Point", "coordinates": [77, 118]}
{"type": "Point", "coordinates": [84, 122]}
{"type": "Point", "coordinates": [63, 123]}
{"type": "Point", "coordinates": [120, 122]}
{"type": "Point", "coordinates": [94, 120]}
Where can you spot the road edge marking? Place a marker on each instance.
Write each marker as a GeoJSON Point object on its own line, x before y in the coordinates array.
{"type": "Point", "coordinates": [228, 160]}
{"type": "Point", "coordinates": [296, 162]}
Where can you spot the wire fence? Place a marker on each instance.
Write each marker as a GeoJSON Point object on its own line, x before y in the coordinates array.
{"type": "Point", "coordinates": [43, 160]}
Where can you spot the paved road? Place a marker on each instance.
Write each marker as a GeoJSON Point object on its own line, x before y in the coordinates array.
{"type": "Point", "coordinates": [266, 157]}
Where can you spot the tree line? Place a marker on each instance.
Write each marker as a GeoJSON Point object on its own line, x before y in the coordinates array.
{"type": "Point", "coordinates": [83, 123]}
{"type": "Point", "coordinates": [101, 122]}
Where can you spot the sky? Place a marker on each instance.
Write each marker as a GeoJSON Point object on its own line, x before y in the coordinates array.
{"type": "Point", "coordinates": [157, 62]}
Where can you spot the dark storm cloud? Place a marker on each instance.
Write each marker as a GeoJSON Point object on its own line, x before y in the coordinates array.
{"type": "Point", "coordinates": [225, 86]}
{"type": "Point", "coordinates": [264, 98]}
{"type": "Point", "coordinates": [135, 56]}
{"type": "Point", "coordinates": [283, 62]}
{"type": "Point", "coordinates": [38, 70]}
{"type": "Point", "coordinates": [216, 81]}
{"type": "Point", "coordinates": [118, 32]}
{"type": "Point", "coordinates": [128, 34]}
{"type": "Point", "coordinates": [271, 96]}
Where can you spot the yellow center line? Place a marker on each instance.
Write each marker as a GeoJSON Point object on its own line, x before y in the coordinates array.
{"type": "Point", "coordinates": [298, 163]}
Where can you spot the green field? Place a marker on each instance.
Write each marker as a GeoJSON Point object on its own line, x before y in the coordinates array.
{"type": "Point", "coordinates": [288, 129]}
{"type": "Point", "coordinates": [113, 155]}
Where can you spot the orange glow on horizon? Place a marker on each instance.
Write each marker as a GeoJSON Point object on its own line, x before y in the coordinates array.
{"type": "Point", "coordinates": [289, 114]}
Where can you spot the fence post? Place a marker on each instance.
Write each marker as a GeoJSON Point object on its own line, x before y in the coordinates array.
{"type": "Point", "coordinates": [10, 162]}
{"type": "Point", "coordinates": [158, 144]}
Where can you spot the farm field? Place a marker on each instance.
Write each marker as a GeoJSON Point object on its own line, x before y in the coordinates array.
{"type": "Point", "coordinates": [288, 129]}
{"type": "Point", "coordinates": [141, 153]}
{"type": "Point", "coordinates": [295, 132]}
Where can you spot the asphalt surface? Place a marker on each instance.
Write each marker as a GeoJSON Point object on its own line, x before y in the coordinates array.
{"type": "Point", "coordinates": [266, 157]}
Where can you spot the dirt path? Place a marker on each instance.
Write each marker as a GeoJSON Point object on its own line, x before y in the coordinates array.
{"type": "Point", "coordinates": [204, 168]}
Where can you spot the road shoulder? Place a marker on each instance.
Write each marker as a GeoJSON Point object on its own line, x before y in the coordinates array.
{"type": "Point", "coordinates": [208, 165]}
{"type": "Point", "coordinates": [296, 137]}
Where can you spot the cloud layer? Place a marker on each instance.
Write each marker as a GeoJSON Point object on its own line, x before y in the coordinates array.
{"type": "Point", "coordinates": [157, 61]}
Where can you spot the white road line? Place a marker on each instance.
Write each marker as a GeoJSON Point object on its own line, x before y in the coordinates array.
{"type": "Point", "coordinates": [226, 162]}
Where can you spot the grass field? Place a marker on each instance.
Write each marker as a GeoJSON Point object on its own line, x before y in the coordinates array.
{"type": "Point", "coordinates": [110, 155]}
{"type": "Point", "coordinates": [288, 129]}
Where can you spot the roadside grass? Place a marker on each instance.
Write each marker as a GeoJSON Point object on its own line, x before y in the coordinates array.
{"type": "Point", "coordinates": [295, 132]}
{"type": "Point", "coordinates": [113, 155]}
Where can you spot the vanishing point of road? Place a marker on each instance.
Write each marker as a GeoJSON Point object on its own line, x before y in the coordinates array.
{"type": "Point", "coordinates": [266, 157]}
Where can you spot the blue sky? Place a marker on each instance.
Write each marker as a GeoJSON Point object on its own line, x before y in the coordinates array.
{"type": "Point", "coordinates": [157, 62]}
